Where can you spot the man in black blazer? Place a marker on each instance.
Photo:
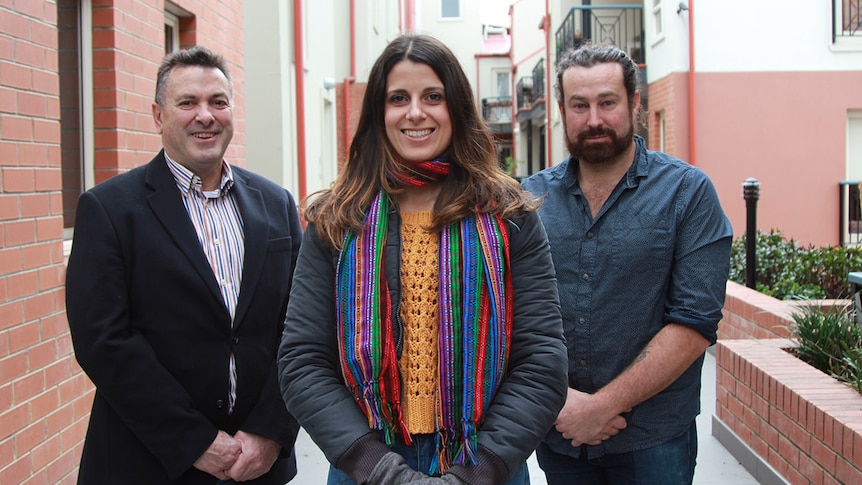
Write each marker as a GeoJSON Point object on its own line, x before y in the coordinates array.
{"type": "Point", "coordinates": [176, 292]}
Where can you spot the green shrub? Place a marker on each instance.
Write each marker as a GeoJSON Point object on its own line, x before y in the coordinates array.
{"type": "Point", "coordinates": [829, 339]}
{"type": "Point", "coordinates": [789, 271]}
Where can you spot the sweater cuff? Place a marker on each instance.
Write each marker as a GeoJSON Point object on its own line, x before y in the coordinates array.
{"type": "Point", "coordinates": [491, 470]}
{"type": "Point", "coordinates": [361, 457]}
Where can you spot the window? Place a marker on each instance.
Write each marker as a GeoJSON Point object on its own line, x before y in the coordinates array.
{"type": "Point", "coordinates": [75, 69]}
{"type": "Point", "coordinates": [656, 18]}
{"type": "Point", "coordinates": [174, 16]}
{"type": "Point", "coordinates": [662, 134]}
{"type": "Point", "coordinates": [851, 220]}
{"type": "Point", "coordinates": [502, 83]}
{"type": "Point", "coordinates": [854, 145]}
{"type": "Point", "coordinates": [450, 9]}
{"type": "Point", "coordinates": [172, 33]}
{"type": "Point", "coordinates": [848, 20]}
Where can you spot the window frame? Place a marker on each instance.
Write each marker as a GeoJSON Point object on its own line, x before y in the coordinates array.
{"type": "Point", "coordinates": [845, 39]}
{"type": "Point", "coordinates": [172, 32]}
{"type": "Point", "coordinates": [86, 107]}
{"type": "Point", "coordinates": [657, 19]}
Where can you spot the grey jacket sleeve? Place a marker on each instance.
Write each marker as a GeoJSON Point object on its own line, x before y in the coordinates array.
{"type": "Point", "coordinates": [309, 371]}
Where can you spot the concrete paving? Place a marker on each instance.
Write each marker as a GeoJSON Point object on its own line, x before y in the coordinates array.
{"type": "Point", "coordinates": [715, 465]}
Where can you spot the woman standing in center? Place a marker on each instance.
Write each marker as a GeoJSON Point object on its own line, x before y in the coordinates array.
{"type": "Point", "coordinates": [423, 336]}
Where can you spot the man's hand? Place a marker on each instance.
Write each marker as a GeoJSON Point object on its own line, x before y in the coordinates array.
{"type": "Point", "coordinates": [258, 455]}
{"type": "Point", "coordinates": [586, 420]}
{"type": "Point", "coordinates": [220, 456]}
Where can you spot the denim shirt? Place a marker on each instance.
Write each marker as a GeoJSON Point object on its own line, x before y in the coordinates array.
{"type": "Point", "coordinates": [658, 251]}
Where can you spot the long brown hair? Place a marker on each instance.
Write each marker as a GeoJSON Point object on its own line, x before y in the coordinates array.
{"type": "Point", "coordinates": [475, 180]}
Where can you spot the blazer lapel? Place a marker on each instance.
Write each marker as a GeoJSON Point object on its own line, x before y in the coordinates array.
{"type": "Point", "coordinates": [168, 207]}
{"type": "Point", "coordinates": [256, 234]}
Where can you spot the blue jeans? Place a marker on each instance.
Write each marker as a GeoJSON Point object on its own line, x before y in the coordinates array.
{"type": "Point", "coordinates": [418, 456]}
{"type": "Point", "coordinates": [670, 463]}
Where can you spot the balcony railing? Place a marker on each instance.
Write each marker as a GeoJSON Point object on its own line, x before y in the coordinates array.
{"type": "Point", "coordinates": [848, 19]}
{"type": "Point", "coordinates": [539, 80]}
{"type": "Point", "coordinates": [524, 92]}
{"type": "Point", "coordinates": [497, 110]}
{"type": "Point", "coordinates": [621, 25]}
{"type": "Point", "coordinates": [851, 214]}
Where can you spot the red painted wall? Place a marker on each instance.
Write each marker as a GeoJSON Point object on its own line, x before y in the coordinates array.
{"type": "Point", "coordinates": [787, 130]}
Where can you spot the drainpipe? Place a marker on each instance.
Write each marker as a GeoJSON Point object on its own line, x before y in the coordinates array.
{"type": "Point", "coordinates": [406, 16]}
{"type": "Point", "coordinates": [348, 81]}
{"type": "Point", "coordinates": [548, 94]}
{"type": "Point", "coordinates": [298, 49]}
{"type": "Point", "coordinates": [692, 99]}
{"type": "Point", "coordinates": [478, 94]}
{"type": "Point", "coordinates": [514, 84]}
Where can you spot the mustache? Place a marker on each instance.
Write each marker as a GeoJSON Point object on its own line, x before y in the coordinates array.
{"type": "Point", "coordinates": [596, 132]}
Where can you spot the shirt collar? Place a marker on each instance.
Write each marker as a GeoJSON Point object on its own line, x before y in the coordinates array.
{"type": "Point", "coordinates": [186, 180]}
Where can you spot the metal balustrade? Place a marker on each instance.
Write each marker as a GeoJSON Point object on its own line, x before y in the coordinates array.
{"type": "Point", "coordinates": [621, 25]}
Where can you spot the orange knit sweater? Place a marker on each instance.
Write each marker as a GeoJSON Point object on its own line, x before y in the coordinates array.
{"type": "Point", "coordinates": [419, 283]}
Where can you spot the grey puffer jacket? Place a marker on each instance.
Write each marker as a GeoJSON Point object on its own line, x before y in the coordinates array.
{"type": "Point", "coordinates": [525, 407]}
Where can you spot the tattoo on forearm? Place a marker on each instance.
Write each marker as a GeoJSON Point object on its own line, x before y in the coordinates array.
{"type": "Point", "coordinates": [642, 356]}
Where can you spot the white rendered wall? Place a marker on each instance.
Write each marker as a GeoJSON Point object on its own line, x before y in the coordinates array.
{"type": "Point", "coordinates": [270, 89]}
{"type": "Point", "coordinates": [750, 36]}
{"type": "Point", "coordinates": [463, 35]}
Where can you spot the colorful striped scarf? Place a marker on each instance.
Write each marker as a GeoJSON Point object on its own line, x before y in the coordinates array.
{"type": "Point", "coordinates": [475, 311]}
{"type": "Point", "coordinates": [418, 174]}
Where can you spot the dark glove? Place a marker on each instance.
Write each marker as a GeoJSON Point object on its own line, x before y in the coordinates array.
{"type": "Point", "coordinates": [391, 470]}
{"type": "Point", "coordinates": [445, 479]}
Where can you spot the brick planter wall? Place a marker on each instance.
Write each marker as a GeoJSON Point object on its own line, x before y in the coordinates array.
{"type": "Point", "coordinates": [799, 423]}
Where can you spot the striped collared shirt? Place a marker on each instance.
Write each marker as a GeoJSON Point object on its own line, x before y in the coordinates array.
{"type": "Point", "coordinates": [218, 223]}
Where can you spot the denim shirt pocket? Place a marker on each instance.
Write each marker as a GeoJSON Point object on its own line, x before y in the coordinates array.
{"type": "Point", "coordinates": [640, 248]}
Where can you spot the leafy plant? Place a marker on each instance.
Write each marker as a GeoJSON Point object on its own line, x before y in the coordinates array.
{"type": "Point", "coordinates": [788, 271]}
{"type": "Point", "coordinates": [829, 339]}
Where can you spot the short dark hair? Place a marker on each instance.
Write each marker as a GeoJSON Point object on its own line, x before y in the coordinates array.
{"type": "Point", "coordinates": [589, 55]}
{"type": "Point", "coordinates": [194, 56]}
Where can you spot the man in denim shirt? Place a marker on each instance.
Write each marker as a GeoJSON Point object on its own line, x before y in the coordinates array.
{"type": "Point", "coordinates": [641, 248]}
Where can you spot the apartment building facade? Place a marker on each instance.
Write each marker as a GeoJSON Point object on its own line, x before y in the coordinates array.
{"type": "Point", "coordinates": [760, 90]}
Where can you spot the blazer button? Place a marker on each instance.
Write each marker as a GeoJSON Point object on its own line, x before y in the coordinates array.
{"type": "Point", "coordinates": [236, 340]}
{"type": "Point", "coordinates": [219, 404]}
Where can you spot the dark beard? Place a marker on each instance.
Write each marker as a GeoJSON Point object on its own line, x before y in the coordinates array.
{"type": "Point", "coordinates": [599, 152]}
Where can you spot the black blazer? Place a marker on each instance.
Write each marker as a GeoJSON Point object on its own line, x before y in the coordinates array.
{"type": "Point", "coordinates": [151, 330]}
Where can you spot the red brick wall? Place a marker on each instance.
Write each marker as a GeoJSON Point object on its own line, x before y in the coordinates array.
{"type": "Point", "coordinates": [355, 94]}
{"type": "Point", "coordinates": [806, 425]}
{"type": "Point", "coordinates": [44, 396]}
{"type": "Point", "coordinates": [749, 314]}
{"type": "Point", "coordinates": [803, 423]}
{"type": "Point", "coordinates": [670, 96]}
